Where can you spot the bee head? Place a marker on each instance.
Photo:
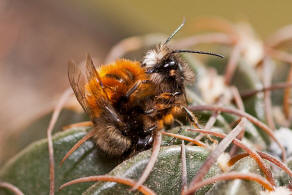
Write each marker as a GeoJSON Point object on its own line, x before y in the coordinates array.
{"type": "Point", "coordinates": [164, 63]}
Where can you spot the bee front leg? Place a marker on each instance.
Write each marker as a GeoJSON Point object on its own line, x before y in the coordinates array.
{"type": "Point", "coordinates": [167, 95]}
{"type": "Point", "coordinates": [162, 106]}
{"type": "Point", "coordinates": [178, 132]}
{"type": "Point", "coordinates": [150, 111]}
{"type": "Point", "coordinates": [150, 130]}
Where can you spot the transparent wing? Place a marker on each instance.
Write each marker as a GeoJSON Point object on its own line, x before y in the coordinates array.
{"type": "Point", "coordinates": [78, 82]}
{"type": "Point", "coordinates": [79, 78]}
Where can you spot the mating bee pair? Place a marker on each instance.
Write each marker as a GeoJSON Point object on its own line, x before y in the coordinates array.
{"type": "Point", "coordinates": [127, 100]}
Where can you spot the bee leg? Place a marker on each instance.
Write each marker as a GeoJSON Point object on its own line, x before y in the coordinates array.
{"type": "Point", "coordinates": [167, 95]}
{"type": "Point", "coordinates": [135, 87]}
{"type": "Point", "coordinates": [179, 131]}
{"type": "Point", "coordinates": [149, 142]}
{"type": "Point", "coordinates": [150, 111]}
{"type": "Point", "coordinates": [150, 130]}
{"type": "Point", "coordinates": [145, 143]}
{"type": "Point", "coordinates": [191, 117]}
{"type": "Point", "coordinates": [176, 93]}
{"type": "Point", "coordinates": [179, 122]}
{"type": "Point", "coordinates": [147, 139]}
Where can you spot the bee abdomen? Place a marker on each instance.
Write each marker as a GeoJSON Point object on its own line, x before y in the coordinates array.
{"type": "Point", "coordinates": [110, 140]}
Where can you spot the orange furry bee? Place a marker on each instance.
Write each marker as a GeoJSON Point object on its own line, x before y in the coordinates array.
{"type": "Point", "coordinates": [128, 100]}
{"type": "Point", "coordinates": [111, 95]}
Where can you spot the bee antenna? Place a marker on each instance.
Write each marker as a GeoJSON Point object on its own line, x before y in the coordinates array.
{"type": "Point", "coordinates": [174, 33]}
{"type": "Point", "coordinates": [198, 52]}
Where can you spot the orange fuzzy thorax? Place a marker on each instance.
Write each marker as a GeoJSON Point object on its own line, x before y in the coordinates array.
{"type": "Point", "coordinates": [128, 71]}
{"type": "Point", "coordinates": [117, 78]}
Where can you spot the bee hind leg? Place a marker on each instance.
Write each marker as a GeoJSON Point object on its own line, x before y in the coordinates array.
{"type": "Point", "coordinates": [193, 119]}
{"type": "Point", "coordinates": [145, 143]}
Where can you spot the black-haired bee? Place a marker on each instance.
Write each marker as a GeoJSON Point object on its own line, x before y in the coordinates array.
{"type": "Point", "coordinates": [128, 100]}
{"type": "Point", "coordinates": [169, 74]}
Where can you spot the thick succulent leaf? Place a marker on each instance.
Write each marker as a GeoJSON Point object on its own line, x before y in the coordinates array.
{"type": "Point", "coordinates": [239, 187]}
{"type": "Point", "coordinates": [252, 134]}
{"type": "Point", "coordinates": [36, 131]}
{"type": "Point", "coordinates": [165, 178]}
{"type": "Point", "coordinates": [167, 140]}
{"type": "Point", "coordinates": [29, 170]}
{"type": "Point", "coordinates": [245, 78]}
{"type": "Point", "coordinates": [279, 75]}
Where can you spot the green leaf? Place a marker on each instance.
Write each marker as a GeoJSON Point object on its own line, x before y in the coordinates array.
{"type": "Point", "coordinates": [239, 187]}
{"type": "Point", "coordinates": [167, 140]}
{"type": "Point", "coordinates": [165, 178]}
{"type": "Point", "coordinates": [29, 170]}
{"type": "Point", "coordinates": [36, 131]}
{"type": "Point", "coordinates": [245, 78]}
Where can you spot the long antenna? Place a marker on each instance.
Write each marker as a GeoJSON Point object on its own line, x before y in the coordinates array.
{"type": "Point", "coordinates": [174, 33]}
{"type": "Point", "coordinates": [198, 52]}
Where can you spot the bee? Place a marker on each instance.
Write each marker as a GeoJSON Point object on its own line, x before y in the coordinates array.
{"type": "Point", "coordinates": [127, 100]}
{"type": "Point", "coordinates": [111, 95]}
{"type": "Point", "coordinates": [169, 74]}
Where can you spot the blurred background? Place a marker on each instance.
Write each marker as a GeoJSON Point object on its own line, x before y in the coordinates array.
{"type": "Point", "coordinates": [38, 37]}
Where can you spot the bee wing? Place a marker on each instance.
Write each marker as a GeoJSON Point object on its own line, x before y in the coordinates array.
{"type": "Point", "coordinates": [79, 78]}
{"type": "Point", "coordinates": [91, 73]}
{"type": "Point", "coordinates": [78, 82]}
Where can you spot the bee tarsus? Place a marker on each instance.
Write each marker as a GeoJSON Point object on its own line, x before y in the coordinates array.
{"type": "Point", "coordinates": [145, 142]}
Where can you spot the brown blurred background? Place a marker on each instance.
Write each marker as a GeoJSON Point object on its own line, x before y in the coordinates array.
{"type": "Point", "coordinates": [38, 37]}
